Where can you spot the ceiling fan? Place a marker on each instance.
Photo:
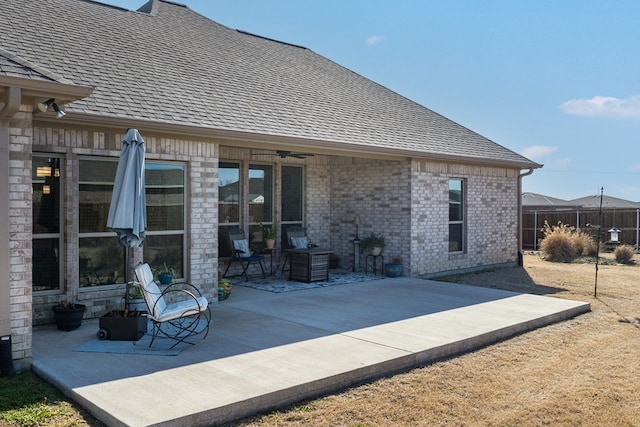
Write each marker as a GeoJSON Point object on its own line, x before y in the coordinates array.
{"type": "Point", "coordinates": [284, 154]}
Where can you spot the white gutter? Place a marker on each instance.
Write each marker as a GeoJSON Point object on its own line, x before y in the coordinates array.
{"type": "Point", "coordinates": [522, 175]}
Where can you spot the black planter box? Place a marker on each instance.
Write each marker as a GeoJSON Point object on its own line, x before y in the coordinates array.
{"type": "Point", "coordinates": [114, 326]}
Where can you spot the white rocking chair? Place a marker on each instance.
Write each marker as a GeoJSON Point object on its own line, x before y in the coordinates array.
{"type": "Point", "coordinates": [179, 321]}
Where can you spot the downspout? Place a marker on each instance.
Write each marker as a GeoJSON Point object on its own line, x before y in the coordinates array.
{"type": "Point", "coordinates": [522, 175]}
{"type": "Point", "coordinates": [11, 107]}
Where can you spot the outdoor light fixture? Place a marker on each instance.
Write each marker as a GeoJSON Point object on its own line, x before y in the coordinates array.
{"type": "Point", "coordinates": [44, 106]}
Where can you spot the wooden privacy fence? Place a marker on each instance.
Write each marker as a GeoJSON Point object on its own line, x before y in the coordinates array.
{"type": "Point", "coordinates": [626, 220]}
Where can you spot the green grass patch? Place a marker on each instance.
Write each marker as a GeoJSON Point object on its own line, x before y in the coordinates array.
{"type": "Point", "coordinates": [27, 400]}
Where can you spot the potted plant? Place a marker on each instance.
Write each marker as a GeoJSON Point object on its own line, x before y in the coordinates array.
{"type": "Point", "coordinates": [224, 289]}
{"type": "Point", "coordinates": [129, 324]}
{"type": "Point", "coordinates": [270, 233]}
{"type": "Point", "coordinates": [68, 315]}
{"type": "Point", "coordinates": [135, 299]}
{"type": "Point", "coordinates": [166, 275]}
{"type": "Point", "coordinates": [373, 242]}
{"type": "Point", "coordinates": [394, 268]}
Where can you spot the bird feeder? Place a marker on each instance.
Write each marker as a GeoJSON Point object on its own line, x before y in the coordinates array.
{"type": "Point", "coordinates": [614, 234]}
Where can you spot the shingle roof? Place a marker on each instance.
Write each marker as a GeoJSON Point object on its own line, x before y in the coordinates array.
{"type": "Point", "coordinates": [531, 200]}
{"type": "Point", "coordinates": [535, 199]}
{"type": "Point", "coordinates": [608, 202]}
{"type": "Point", "coordinates": [165, 63]}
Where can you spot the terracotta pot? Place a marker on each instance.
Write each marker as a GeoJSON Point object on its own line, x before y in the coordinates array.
{"type": "Point", "coordinates": [270, 243]}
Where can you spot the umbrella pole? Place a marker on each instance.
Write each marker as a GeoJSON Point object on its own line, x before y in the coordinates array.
{"type": "Point", "coordinates": [127, 273]}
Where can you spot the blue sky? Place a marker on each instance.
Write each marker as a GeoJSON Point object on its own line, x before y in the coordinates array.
{"type": "Point", "coordinates": [555, 80]}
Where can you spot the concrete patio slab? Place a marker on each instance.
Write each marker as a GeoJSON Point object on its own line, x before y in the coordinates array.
{"type": "Point", "coordinates": [268, 350]}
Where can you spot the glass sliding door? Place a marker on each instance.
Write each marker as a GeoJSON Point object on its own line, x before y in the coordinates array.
{"type": "Point", "coordinates": [229, 187]}
{"type": "Point", "coordinates": [260, 201]}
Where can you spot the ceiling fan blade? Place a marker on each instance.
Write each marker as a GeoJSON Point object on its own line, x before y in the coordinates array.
{"type": "Point", "coordinates": [284, 154]}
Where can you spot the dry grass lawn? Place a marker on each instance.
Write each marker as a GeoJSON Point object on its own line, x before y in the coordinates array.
{"type": "Point", "coordinates": [582, 372]}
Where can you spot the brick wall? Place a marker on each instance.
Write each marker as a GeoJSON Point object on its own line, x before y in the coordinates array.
{"type": "Point", "coordinates": [200, 159]}
{"type": "Point", "coordinates": [379, 192]}
{"type": "Point", "coordinates": [20, 228]}
{"type": "Point", "coordinates": [492, 217]}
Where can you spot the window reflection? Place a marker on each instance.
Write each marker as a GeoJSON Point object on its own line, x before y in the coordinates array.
{"type": "Point", "coordinates": [229, 193]}
{"type": "Point", "coordinates": [102, 258]}
{"type": "Point", "coordinates": [45, 178]}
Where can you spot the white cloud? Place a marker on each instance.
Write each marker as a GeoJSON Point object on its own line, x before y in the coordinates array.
{"type": "Point", "coordinates": [538, 152]}
{"type": "Point", "coordinates": [374, 40]}
{"type": "Point", "coordinates": [604, 106]}
{"type": "Point", "coordinates": [561, 164]}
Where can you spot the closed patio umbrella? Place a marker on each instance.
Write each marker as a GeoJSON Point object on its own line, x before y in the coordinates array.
{"type": "Point", "coordinates": [128, 210]}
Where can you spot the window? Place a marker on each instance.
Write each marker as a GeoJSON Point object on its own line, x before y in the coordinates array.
{"type": "Point", "coordinates": [165, 193]}
{"type": "Point", "coordinates": [47, 249]}
{"type": "Point", "coordinates": [228, 204]}
{"type": "Point", "coordinates": [260, 201]}
{"type": "Point", "coordinates": [292, 200]}
{"type": "Point", "coordinates": [456, 215]}
{"type": "Point", "coordinates": [246, 193]}
{"type": "Point", "coordinates": [102, 258]}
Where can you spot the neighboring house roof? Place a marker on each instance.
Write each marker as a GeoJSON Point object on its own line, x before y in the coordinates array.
{"type": "Point", "coordinates": [532, 201]}
{"type": "Point", "coordinates": [166, 64]}
{"type": "Point", "coordinates": [608, 202]}
{"type": "Point", "coordinates": [535, 199]}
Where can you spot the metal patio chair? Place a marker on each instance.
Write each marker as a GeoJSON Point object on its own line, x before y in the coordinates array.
{"type": "Point", "coordinates": [181, 320]}
{"type": "Point", "coordinates": [241, 253]}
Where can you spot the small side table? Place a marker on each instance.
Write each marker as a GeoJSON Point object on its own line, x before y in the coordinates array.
{"type": "Point", "coordinates": [374, 263]}
{"type": "Point", "coordinates": [270, 252]}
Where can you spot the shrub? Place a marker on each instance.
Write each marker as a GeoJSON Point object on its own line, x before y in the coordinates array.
{"type": "Point", "coordinates": [624, 253]}
{"type": "Point", "coordinates": [563, 243]}
{"type": "Point", "coordinates": [557, 246]}
{"type": "Point", "coordinates": [591, 249]}
{"type": "Point", "coordinates": [583, 243]}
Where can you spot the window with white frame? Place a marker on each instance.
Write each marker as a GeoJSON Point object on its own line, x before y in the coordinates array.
{"type": "Point", "coordinates": [457, 227]}
{"type": "Point", "coordinates": [47, 225]}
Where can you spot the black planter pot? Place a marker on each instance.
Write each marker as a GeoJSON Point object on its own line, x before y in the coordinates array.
{"type": "Point", "coordinates": [69, 317]}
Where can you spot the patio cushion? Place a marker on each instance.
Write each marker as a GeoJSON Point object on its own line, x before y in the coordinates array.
{"type": "Point", "coordinates": [152, 293]}
{"type": "Point", "coordinates": [242, 245]}
{"type": "Point", "coordinates": [299, 242]}
{"type": "Point", "coordinates": [181, 309]}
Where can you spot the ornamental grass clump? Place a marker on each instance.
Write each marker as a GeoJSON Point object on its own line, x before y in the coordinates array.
{"type": "Point", "coordinates": [564, 243]}
{"type": "Point", "coordinates": [584, 243]}
{"type": "Point", "coordinates": [624, 253]}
